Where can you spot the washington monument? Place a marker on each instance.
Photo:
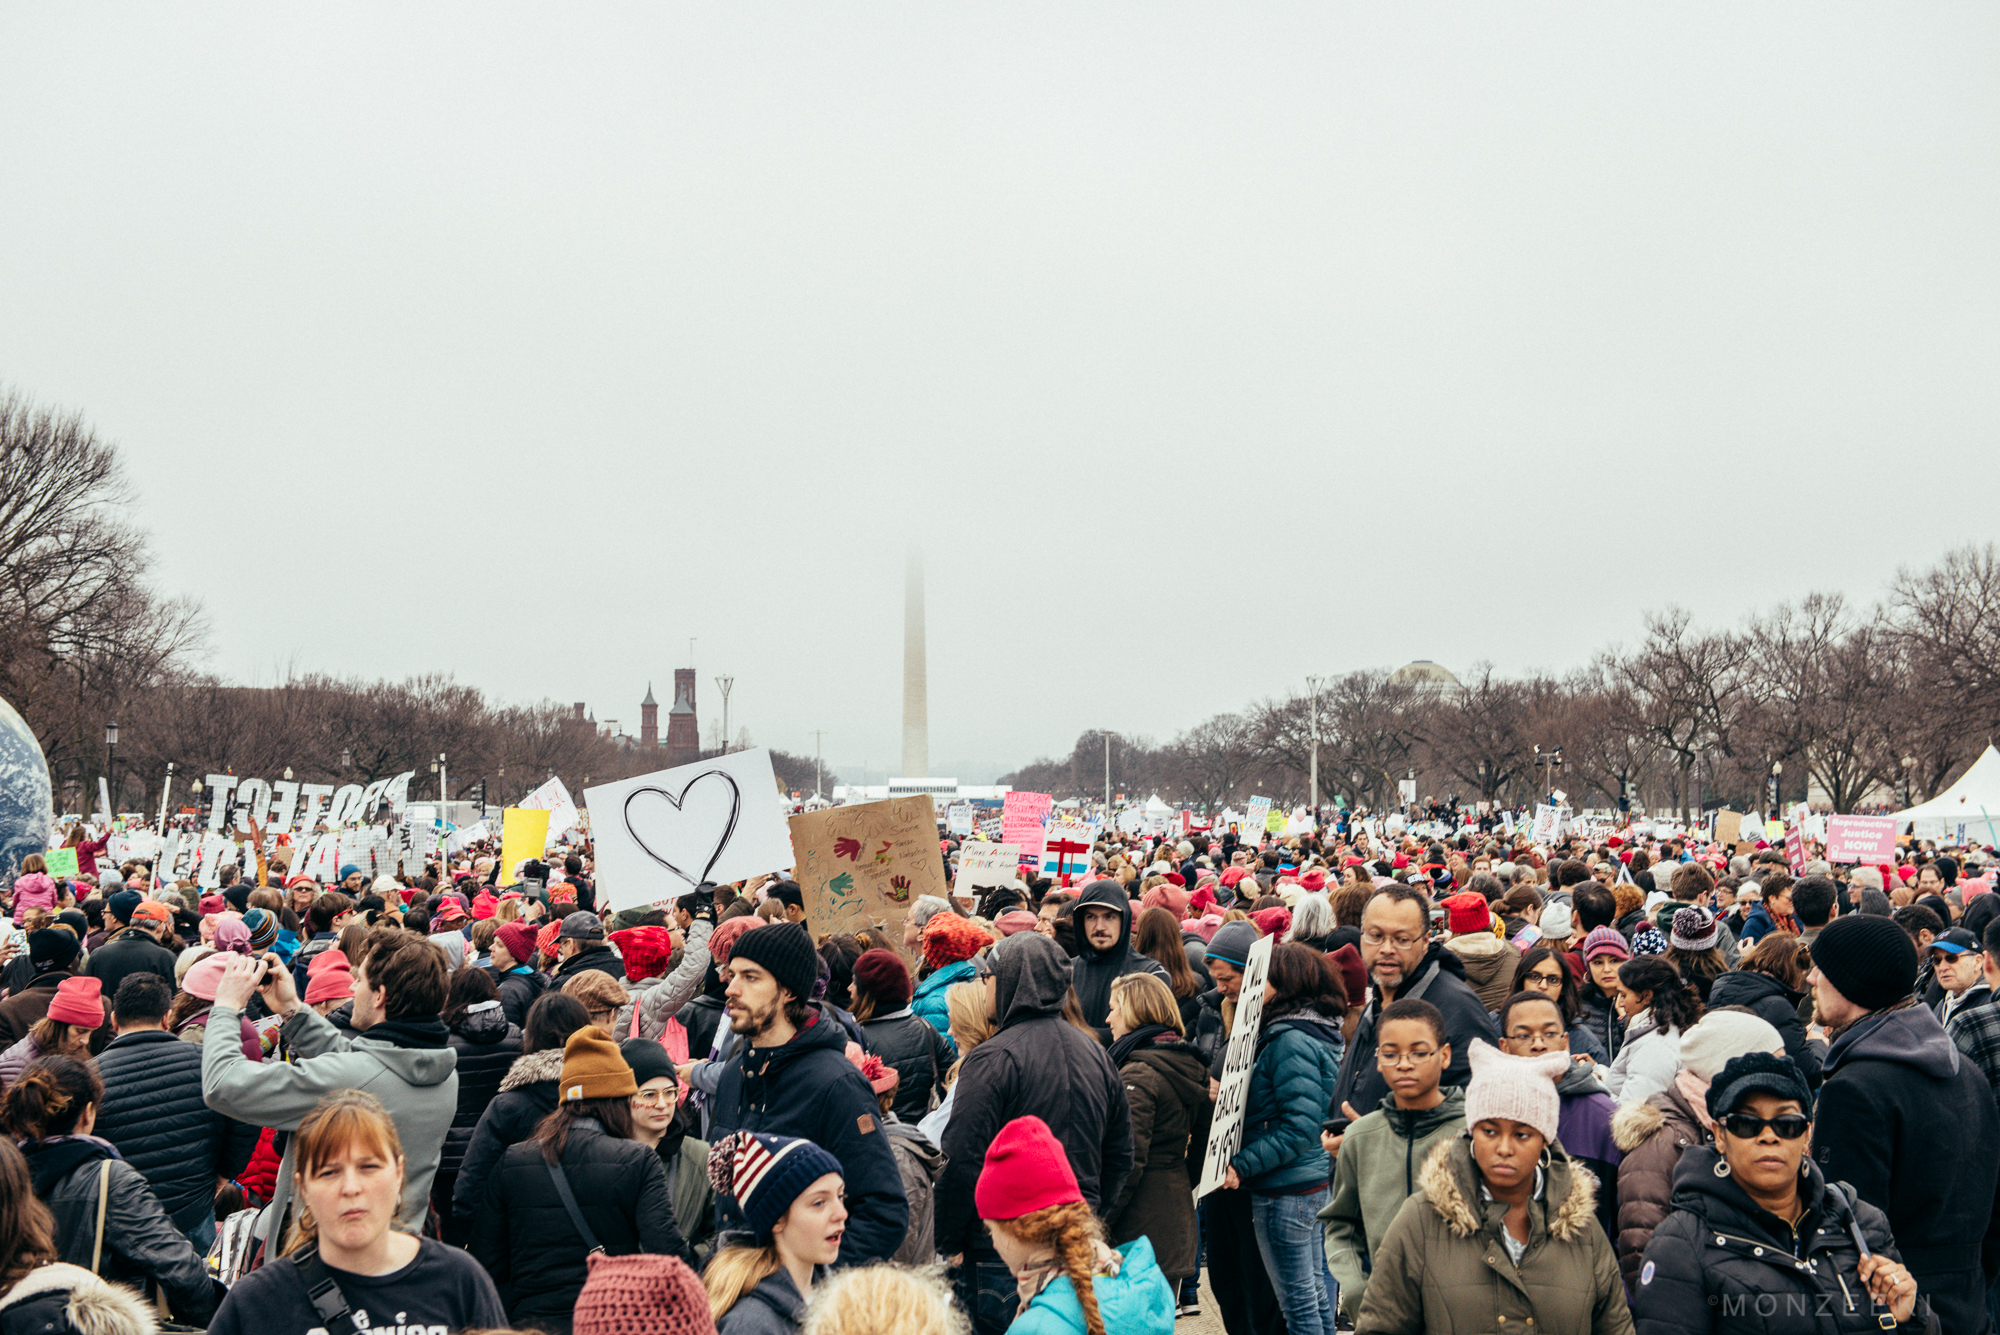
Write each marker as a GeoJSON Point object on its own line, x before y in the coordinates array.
{"type": "Point", "coordinates": [916, 712]}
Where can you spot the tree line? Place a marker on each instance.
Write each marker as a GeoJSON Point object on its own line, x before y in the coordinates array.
{"type": "Point", "coordinates": [1860, 708]}
{"type": "Point", "coordinates": [87, 639]}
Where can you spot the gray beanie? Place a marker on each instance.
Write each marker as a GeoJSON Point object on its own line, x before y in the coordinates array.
{"type": "Point", "coordinates": [1231, 943]}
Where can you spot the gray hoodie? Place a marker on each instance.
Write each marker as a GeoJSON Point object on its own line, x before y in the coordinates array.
{"type": "Point", "coordinates": [419, 1087]}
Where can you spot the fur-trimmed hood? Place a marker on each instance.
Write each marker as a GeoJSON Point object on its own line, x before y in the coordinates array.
{"type": "Point", "coordinates": [533, 1069]}
{"type": "Point", "coordinates": [1449, 1184]}
{"type": "Point", "coordinates": [95, 1307]}
{"type": "Point", "coordinates": [1634, 1123]}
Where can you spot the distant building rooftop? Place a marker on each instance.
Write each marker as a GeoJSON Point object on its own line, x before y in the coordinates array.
{"type": "Point", "coordinates": [1424, 671]}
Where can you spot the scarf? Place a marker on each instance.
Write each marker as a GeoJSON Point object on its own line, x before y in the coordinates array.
{"type": "Point", "coordinates": [1695, 1090]}
{"type": "Point", "coordinates": [1121, 1051]}
{"type": "Point", "coordinates": [416, 1031]}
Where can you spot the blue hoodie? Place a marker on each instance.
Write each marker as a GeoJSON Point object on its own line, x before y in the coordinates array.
{"type": "Point", "coordinates": [1135, 1301]}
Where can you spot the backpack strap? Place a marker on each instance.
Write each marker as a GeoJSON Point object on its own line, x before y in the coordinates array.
{"type": "Point", "coordinates": [103, 1199]}
{"type": "Point", "coordinates": [561, 1179]}
{"type": "Point", "coordinates": [324, 1290]}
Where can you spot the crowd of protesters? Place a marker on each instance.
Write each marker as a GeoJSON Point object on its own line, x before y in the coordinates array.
{"type": "Point", "coordinates": [1630, 1081]}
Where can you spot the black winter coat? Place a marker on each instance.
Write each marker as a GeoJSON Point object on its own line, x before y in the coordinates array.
{"type": "Point", "coordinates": [487, 1047]}
{"type": "Point", "coordinates": [1094, 971]}
{"type": "Point", "coordinates": [601, 958]}
{"type": "Point", "coordinates": [1722, 1263]}
{"type": "Point", "coordinates": [527, 1095]}
{"type": "Point", "coordinates": [524, 1236]}
{"type": "Point", "coordinates": [153, 1112]}
{"type": "Point", "coordinates": [1439, 979]}
{"type": "Point", "coordinates": [127, 953]}
{"type": "Point", "coordinates": [1778, 1004]}
{"type": "Point", "coordinates": [1600, 1017]}
{"type": "Point", "coordinates": [701, 1018]}
{"type": "Point", "coordinates": [808, 1088]}
{"type": "Point", "coordinates": [519, 991]}
{"type": "Point", "coordinates": [908, 1043]}
{"type": "Point", "coordinates": [1038, 1063]}
{"type": "Point", "coordinates": [140, 1243]}
{"type": "Point", "coordinates": [1896, 1090]}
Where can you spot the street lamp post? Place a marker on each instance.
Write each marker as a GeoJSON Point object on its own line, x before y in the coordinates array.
{"type": "Point", "coordinates": [1777, 789]}
{"type": "Point", "coordinates": [110, 767]}
{"type": "Point", "coordinates": [724, 684]}
{"type": "Point", "coordinates": [1312, 706]}
{"type": "Point", "coordinates": [1909, 763]}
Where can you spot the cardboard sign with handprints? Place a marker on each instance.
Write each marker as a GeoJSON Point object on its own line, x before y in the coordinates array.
{"type": "Point", "coordinates": [860, 866]}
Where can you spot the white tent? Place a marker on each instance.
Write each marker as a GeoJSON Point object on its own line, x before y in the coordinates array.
{"type": "Point", "coordinates": [1975, 797]}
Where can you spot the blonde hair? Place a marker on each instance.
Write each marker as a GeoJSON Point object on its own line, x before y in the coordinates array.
{"type": "Point", "coordinates": [734, 1271]}
{"type": "Point", "coordinates": [885, 1299]}
{"type": "Point", "coordinates": [1072, 1232]}
{"type": "Point", "coordinates": [506, 912]}
{"type": "Point", "coordinates": [970, 1023]}
{"type": "Point", "coordinates": [1142, 999]}
{"type": "Point", "coordinates": [336, 1124]}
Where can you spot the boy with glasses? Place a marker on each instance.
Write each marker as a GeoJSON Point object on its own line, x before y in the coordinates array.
{"type": "Point", "coordinates": [1380, 1155]}
{"type": "Point", "coordinates": [1531, 1025]}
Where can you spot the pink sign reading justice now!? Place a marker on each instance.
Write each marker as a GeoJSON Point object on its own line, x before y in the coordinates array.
{"type": "Point", "coordinates": [1869, 840]}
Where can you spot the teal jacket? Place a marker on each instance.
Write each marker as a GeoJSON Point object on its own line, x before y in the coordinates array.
{"type": "Point", "coordinates": [1135, 1301]}
{"type": "Point", "coordinates": [1291, 1090]}
{"type": "Point", "coordinates": [929, 1003]}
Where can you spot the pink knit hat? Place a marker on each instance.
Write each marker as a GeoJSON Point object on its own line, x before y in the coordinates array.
{"type": "Point", "coordinates": [642, 1295]}
{"type": "Point", "coordinates": [1520, 1089]}
{"type": "Point", "coordinates": [1015, 920]}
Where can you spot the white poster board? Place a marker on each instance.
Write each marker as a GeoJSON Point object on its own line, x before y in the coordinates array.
{"type": "Point", "coordinates": [553, 798]}
{"type": "Point", "coordinates": [986, 867]}
{"type": "Point", "coordinates": [1256, 815]}
{"type": "Point", "coordinates": [661, 835]}
{"type": "Point", "coordinates": [1225, 1135]}
{"type": "Point", "coordinates": [958, 819]}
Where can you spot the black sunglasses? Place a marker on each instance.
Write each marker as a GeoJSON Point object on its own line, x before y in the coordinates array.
{"type": "Point", "coordinates": [1748, 1126]}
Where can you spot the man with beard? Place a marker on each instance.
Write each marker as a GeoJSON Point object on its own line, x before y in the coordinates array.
{"type": "Point", "coordinates": [1104, 952]}
{"type": "Point", "coordinates": [1404, 962]}
{"type": "Point", "coordinates": [790, 1076]}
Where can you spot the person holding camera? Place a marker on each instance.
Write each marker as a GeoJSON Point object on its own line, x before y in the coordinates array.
{"type": "Point", "coordinates": [400, 1053]}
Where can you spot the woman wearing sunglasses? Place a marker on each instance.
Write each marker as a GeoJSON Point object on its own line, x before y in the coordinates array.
{"type": "Point", "coordinates": [1758, 1240]}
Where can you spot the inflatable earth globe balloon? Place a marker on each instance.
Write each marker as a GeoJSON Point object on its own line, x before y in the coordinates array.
{"type": "Point", "coordinates": [26, 800]}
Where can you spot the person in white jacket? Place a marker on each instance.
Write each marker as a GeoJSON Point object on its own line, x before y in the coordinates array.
{"type": "Point", "coordinates": [1658, 1008]}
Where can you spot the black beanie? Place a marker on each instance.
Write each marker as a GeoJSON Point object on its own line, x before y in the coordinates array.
{"type": "Point", "coordinates": [786, 950]}
{"type": "Point", "coordinates": [1871, 961]}
{"type": "Point", "coordinates": [647, 1058]}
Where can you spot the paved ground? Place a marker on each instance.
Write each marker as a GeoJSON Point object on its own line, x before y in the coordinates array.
{"type": "Point", "coordinates": [1208, 1323]}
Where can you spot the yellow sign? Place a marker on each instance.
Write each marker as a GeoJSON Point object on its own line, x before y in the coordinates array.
{"type": "Point", "coordinates": [524, 833]}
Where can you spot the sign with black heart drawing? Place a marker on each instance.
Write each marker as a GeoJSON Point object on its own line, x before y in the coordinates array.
{"type": "Point", "coordinates": [661, 835]}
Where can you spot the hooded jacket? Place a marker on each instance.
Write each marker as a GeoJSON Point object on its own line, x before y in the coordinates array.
{"type": "Point", "coordinates": [921, 1164]}
{"type": "Point", "coordinates": [1439, 978]}
{"type": "Point", "coordinates": [1652, 1136]}
{"type": "Point", "coordinates": [1720, 1262]}
{"type": "Point", "coordinates": [1137, 1300]}
{"type": "Point", "coordinates": [1600, 1018]}
{"type": "Point", "coordinates": [486, 1046]}
{"type": "Point", "coordinates": [1037, 1063]}
{"type": "Point", "coordinates": [36, 890]}
{"type": "Point", "coordinates": [1647, 1060]}
{"type": "Point", "coordinates": [1376, 1172]}
{"type": "Point", "coordinates": [418, 1086]}
{"type": "Point", "coordinates": [1774, 1002]}
{"type": "Point", "coordinates": [1443, 1270]}
{"type": "Point", "coordinates": [774, 1307]}
{"type": "Point", "coordinates": [1489, 965]}
{"type": "Point", "coordinates": [808, 1088]}
{"type": "Point", "coordinates": [1291, 1087]}
{"type": "Point", "coordinates": [591, 955]}
{"type": "Point", "coordinates": [519, 989]}
{"type": "Point", "coordinates": [140, 1242]}
{"type": "Point", "coordinates": [526, 1095]}
{"type": "Point", "coordinates": [1094, 971]}
{"type": "Point", "coordinates": [1166, 1086]}
{"type": "Point", "coordinates": [660, 999]}
{"type": "Point", "coordinates": [58, 1299]}
{"type": "Point", "coordinates": [1584, 1128]}
{"type": "Point", "coordinates": [1897, 1090]}
{"type": "Point", "coordinates": [916, 1051]}
{"type": "Point", "coordinates": [928, 1003]}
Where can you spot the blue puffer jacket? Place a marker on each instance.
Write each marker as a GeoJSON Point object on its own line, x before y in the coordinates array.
{"type": "Point", "coordinates": [929, 1004]}
{"type": "Point", "coordinates": [1135, 1301]}
{"type": "Point", "coordinates": [1291, 1090]}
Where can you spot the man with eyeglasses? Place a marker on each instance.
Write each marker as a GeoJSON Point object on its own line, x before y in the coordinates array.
{"type": "Point", "coordinates": [1896, 1095]}
{"type": "Point", "coordinates": [1403, 961]}
{"type": "Point", "coordinates": [1379, 1156]}
{"type": "Point", "coordinates": [1531, 1025]}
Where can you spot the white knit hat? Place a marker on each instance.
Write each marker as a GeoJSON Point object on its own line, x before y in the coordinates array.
{"type": "Point", "coordinates": [1557, 923]}
{"type": "Point", "coordinates": [1719, 1035]}
{"type": "Point", "coordinates": [1520, 1089]}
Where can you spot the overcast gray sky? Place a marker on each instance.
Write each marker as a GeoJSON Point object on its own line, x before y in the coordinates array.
{"type": "Point", "coordinates": [1202, 346]}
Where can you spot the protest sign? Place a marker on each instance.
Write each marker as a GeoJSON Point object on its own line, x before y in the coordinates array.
{"type": "Point", "coordinates": [661, 835]}
{"type": "Point", "coordinates": [1068, 851]}
{"type": "Point", "coordinates": [1274, 822]}
{"type": "Point", "coordinates": [1774, 830]}
{"type": "Point", "coordinates": [985, 867]}
{"type": "Point", "coordinates": [553, 798]}
{"type": "Point", "coordinates": [1728, 827]}
{"type": "Point", "coordinates": [523, 834]}
{"type": "Point", "coordinates": [1256, 812]}
{"type": "Point", "coordinates": [990, 829]}
{"type": "Point", "coordinates": [1795, 851]}
{"type": "Point", "coordinates": [1548, 825]}
{"type": "Point", "coordinates": [1870, 840]}
{"type": "Point", "coordinates": [958, 819]}
{"type": "Point", "coordinates": [860, 866]}
{"type": "Point", "coordinates": [1024, 823]}
{"type": "Point", "coordinates": [1131, 820]}
{"type": "Point", "coordinates": [1225, 1134]}
{"type": "Point", "coordinates": [62, 862]}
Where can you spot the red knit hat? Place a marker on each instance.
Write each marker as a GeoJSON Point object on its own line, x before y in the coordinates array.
{"type": "Point", "coordinates": [648, 951]}
{"type": "Point", "coordinates": [78, 1000]}
{"type": "Point", "coordinates": [1312, 881]}
{"type": "Point", "coordinates": [722, 941]}
{"type": "Point", "coordinates": [545, 940]}
{"type": "Point", "coordinates": [1468, 913]}
{"type": "Point", "coordinates": [1272, 921]}
{"type": "Point", "coordinates": [519, 938]}
{"type": "Point", "coordinates": [641, 1294]}
{"type": "Point", "coordinates": [883, 976]}
{"type": "Point", "coordinates": [949, 938]}
{"type": "Point", "coordinates": [1026, 1170]}
{"type": "Point", "coordinates": [328, 978]}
